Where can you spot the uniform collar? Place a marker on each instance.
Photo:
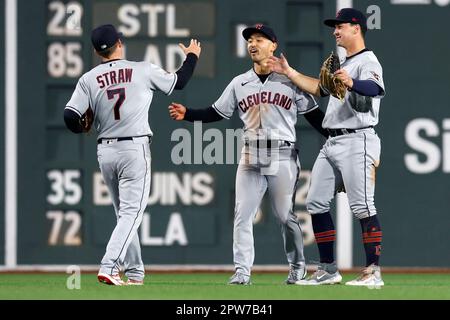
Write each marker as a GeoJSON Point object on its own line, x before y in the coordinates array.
{"type": "Point", "coordinates": [356, 54]}
{"type": "Point", "coordinates": [108, 61]}
{"type": "Point", "coordinates": [254, 72]}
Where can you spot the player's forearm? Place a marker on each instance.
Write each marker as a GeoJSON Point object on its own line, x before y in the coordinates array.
{"type": "Point", "coordinates": [305, 83]}
{"type": "Point", "coordinates": [185, 72]}
{"type": "Point", "coordinates": [204, 115]}
{"type": "Point", "coordinates": [72, 121]}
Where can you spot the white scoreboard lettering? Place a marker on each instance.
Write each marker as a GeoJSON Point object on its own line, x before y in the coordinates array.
{"type": "Point", "coordinates": [130, 24]}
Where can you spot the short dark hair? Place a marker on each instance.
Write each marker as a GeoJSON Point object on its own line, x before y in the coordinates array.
{"type": "Point", "coordinates": [108, 52]}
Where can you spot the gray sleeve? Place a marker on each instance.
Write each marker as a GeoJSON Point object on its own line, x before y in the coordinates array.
{"type": "Point", "coordinates": [79, 102]}
{"type": "Point", "coordinates": [304, 102]}
{"type": "Point", "coordinates": [161, 79]}
{"type": "Point", "coordinates": [227, 102]}
{"type": "Point", "coordinates": [373, 71]}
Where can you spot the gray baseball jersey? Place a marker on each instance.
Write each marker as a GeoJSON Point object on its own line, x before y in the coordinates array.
{"type": "Point", "coordinates": [120, 90]}
{"type": "Point", "coordinates": [120, 93]}
{"type": "Point", "coordinates": [269, 110]}
{"type": "Point", "coordinates": [272, 106]}
{"type": "Point", "coordinates": [350, 160]}
{"type": "Point", "coordinates": [356, 111]}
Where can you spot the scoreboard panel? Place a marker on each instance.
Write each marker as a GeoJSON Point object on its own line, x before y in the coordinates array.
{"type": "Point", "coordinates": [65, 214]}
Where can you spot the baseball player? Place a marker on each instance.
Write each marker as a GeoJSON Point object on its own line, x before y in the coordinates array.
{"type": "Point", "coordinates": [120, 92]}
{"type": "Point", "coordinates": [351, 155]}
{"type": "Point", "coordinates": [268, 104]}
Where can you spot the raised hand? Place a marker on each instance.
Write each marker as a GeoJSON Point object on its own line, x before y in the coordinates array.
{"type": "Point", "coordinates": [177, 111]}
{"type": "Point", "coordinates": [279, 65]}
{"type": "Point", "coordinates": [343, 75]}
{"type": "Point", "coordinates": [194, 47]}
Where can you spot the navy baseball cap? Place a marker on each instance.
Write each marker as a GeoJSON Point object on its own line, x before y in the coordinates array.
{"type": "Point", "coordinates": [259, 28]}
{"type": "Point", "coordinates": [104, 37]}
{"type": "Point", "coordinates": [348, 15]}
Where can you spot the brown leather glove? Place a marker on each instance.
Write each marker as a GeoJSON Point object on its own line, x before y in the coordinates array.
{"type": "Point", "coordinates": [329, 83]}
{"type": "Point", "coordinates": [87, 119]}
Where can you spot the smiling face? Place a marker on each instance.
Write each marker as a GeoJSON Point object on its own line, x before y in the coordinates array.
{"type": "Point", "coordinates": [346, 34]}
{"type": "Point", "coordinates": [260, 48]}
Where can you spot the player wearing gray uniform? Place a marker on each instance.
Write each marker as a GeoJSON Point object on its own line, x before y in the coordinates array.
{"type": "Point", "coordinates": [351, 155]}
{"type": "Point", "coordinates": [120, 92]}
{"type": "Point", "coordinates": [268, 104]}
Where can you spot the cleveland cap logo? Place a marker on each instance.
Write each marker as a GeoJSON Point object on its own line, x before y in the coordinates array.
{"type": "Point", "coordinates": [259, 26]}
{"type": "Point", "coordinates": [338, 14]}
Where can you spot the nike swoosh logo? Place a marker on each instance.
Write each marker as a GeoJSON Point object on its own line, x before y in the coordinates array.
{"type": "Point", "coordinates": [244, 83]}
{"type": "Point", "coordinates": [320, 277]}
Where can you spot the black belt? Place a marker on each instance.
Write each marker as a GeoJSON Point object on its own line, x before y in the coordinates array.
{"type": "Point", "coordinates": [340, 132]}
{"type": "Point", "coordinates": [99, 141]}
{"type": "Point", "coordinates": [267, 143]}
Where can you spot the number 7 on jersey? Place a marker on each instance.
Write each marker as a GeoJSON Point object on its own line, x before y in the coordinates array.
{"type": "Point", "coordinates": [111, 93]}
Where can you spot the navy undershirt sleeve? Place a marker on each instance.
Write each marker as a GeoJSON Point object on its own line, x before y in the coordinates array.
{"type": "Point", "coordinates": [204, 115]}
{"type": "Point", "coordinates": [186, 71]}
{"type": "Point", "coordinates": [72, 120]}
{"type": "Point", "coordinates": [323, 93]}
{"type": "Point", "coordinates": [315, 118]}
{"type": "Point", "coordinates": [366, 88]}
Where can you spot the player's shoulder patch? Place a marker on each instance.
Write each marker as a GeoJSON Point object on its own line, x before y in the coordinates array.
{"type": "Point", "coordinates": [375, 75]}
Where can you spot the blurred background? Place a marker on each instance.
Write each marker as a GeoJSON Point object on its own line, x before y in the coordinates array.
{"type": "Point", "coordinates": [55, 209]}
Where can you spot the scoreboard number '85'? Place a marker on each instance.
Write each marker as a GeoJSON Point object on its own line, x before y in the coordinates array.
{"type": "Point", "coordinates": [64, 57]}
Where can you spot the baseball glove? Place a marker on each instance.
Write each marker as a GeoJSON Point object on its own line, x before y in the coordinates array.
{"type": "Point", "coordinates": [86, 120]}
{"type": "Point", "coordinates": [329, 83]}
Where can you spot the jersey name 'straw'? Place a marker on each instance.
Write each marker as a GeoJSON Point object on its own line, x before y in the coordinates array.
{"type": "Point", "coordinates": [114, 77]}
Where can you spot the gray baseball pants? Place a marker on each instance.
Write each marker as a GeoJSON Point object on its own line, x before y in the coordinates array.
{"type": "Point", "coordinates": [348, 160]}
{"type": "Point", "coordinates": [253, 178]}
{"type": "Point", "coordinates": [125, 166]}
